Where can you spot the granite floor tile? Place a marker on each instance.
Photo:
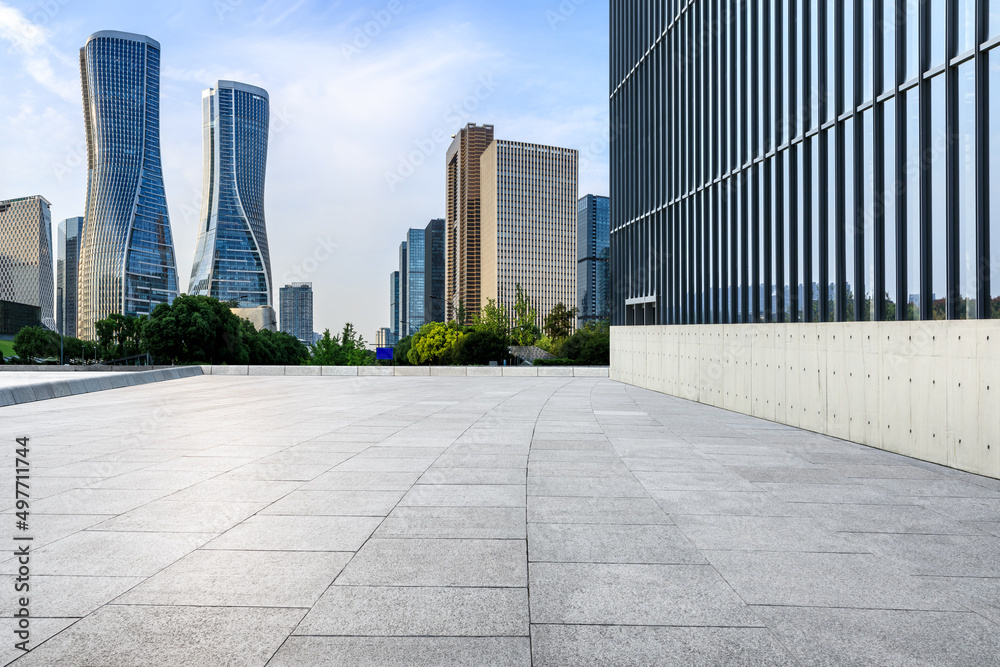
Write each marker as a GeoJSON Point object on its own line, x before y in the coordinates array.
{"type": "Point", "coordinates": [438, 562]}
{"type": "Point", "coordinates": [403, 652]}
{"type": "Point", "coordinates": [586, 487]}
{"type": "Point", "coordinates": [603, 543]}
{"type": "Point", "coordinates": [208, 578]}
{"type": "Point", "coordinates": [465, 495]}
{"type": "Point", "coordinates": [392, 611]}
{"type": "Point", "coordinates": [359, 481]}
{"type": "Point", "coordinates": [858, 580]}
{"type": "Point", "coordinates": [455, 522]}
{"type": "Point", "coordinates": [568, 509]}
{"type": "Point", "coordinates": [336, 503]}
{"type": "Point", "coordinates": [271, 532]}
{"type": "Point", "coordinates": [936, 555]}
{"type": "Point", "coordinates": [67, 596]}
{"type": "Point", "coordinates": [181, 516]}
{"type": "Point", "coordinates": [759, 533]}
{"type": "Point", "coordinates": [723, 503]}
{"type": "Point", "coordinates": [244, 491]}
{"type": "Point", "coordinates": [642, 646]}
{"type": "Point", "coordinates": [890, 638]}
{"type": "Point", "coordinates": [473, 476]}
{"type": "Point", "coordinates": [147, 636]}
{"type": "Point", "coordinates": [606, 594]}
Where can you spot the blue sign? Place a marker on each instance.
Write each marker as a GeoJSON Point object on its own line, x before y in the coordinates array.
{"type": "Point", "coordinates": [384, 353]}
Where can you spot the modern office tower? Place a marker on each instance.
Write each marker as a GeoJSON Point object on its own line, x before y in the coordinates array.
{"type": "Point", "coordinates": [529, 196]}
{"type": "Point", "coordinates": [462, 219]}
{"type": "Point", "coordinates": [26, 255]}
{"type": "Point", "coordinates": [383, 337]}
{"type": "Point", "coordinates": [415, 280]}
{"type": "Point", "coordinates": [232, 261]}
{"type": "Point", "coordinates": [813, 169]}
{"type": "Point", "coordinates": [593, 279]}
{"type": "Point", "coordinates": [67, 269]}
{"type": "Point", "coordinates": [404, 302]}
{"type": "Point", "coordinates": [296, 305]}
{"type": "Point", "coordinates": [127, 258]}
{"type": "Point", "coordinates": [434, 271]}
{"type": "Point", "coordinates": [395, 307]}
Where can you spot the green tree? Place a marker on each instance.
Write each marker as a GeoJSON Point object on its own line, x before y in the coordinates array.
{"type": "Point", "coordinates": [525, 330]}
{"type": "Point", "coordinates": [195, 329]}
{"type": "Point", "coordinates": [589, 346]}
{"type": "Point", "coordinates": [401, 352]}
{"type": "Point", "coordinates": [559, 322]}
{"type": "Point", "coordinates": [433, 342]}
{"type": "Point", "coordinates": [492, 318]}
{"type": "Point", "coordinates": [32, 343]}
{"type": "Point", "coordinates": [479, 348]}
{"type": "Point", "coordinates": [347, 349]}
{"type": "Point", "coordinates": [119, 336]}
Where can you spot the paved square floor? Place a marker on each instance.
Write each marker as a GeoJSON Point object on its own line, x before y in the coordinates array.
{"type": "Point", "coordinates": [494, 521]}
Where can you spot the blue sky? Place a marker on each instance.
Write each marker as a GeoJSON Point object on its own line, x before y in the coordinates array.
{"type": "Point", "coordinates": [359, 92]}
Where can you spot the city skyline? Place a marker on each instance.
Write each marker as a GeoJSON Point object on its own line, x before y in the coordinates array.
{"type": "Point", "coordinates": [538, 70]}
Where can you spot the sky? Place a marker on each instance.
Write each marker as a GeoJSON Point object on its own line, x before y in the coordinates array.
{"type": "Point", "coordinates": [362, 94]}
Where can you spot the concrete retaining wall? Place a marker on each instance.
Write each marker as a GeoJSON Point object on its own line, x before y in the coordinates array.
{"type": "Point", "coordinates": [85, 385]}
{"type": "Point", "coordinates": [929, 390]}
{"type": "Point", "coordinates": [413, 371]}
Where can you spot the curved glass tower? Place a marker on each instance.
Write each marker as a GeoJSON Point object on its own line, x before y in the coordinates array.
{"type": "Point", "coordinates": [127, 258]}
{"type": "Point", "coordinates": [231, 260]}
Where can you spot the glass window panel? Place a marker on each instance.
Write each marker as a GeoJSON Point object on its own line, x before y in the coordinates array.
{"type": "Point", "coordinates": [939, 201]}
{"type": "Point", "coordinates": [868, 196]}
{"type": "Point", "coordinates": [850, 221]}
{"type": "Point", "coordinates": [777, 215]}
{"type": "Point", "coordinates": [763, 197]}
{"type": "Point", "coordinates": [815, 228]}
{"type": "Point", "coordinates": [965, 25]}
{"type": "Point", "coordinates": [848, 37]}
{"type": "Point", "coordinates": [966, 194]}
{"type": "Point", "coordinates": [763, 94]}
{"type": "Point", "coordinates": [994, 22]}
{"type": "Point", "coordinates": [831, 59]}
{"type": "Point", "coordinates": [936, 20]}
{"type": "Point", "coordinates": [994, 171]}
{"type": "Point", "coordinates": [889, 207]}
{"type": "Point", "coordinates": [888, 44]}
{"type": "Point", "coordinates": [787, 257]}
{"type": "Point", "coordinates": [867, 61]}
{"type": "Point", "coordinates": [912, 218]}
{"type": "Point", "coordinates": [831, 224]}
{"type": "Point", "coordinates": [799, 280]}
{"type": "Point", "coordinates": [815, 94]}
{"type": "Point", "coordinates": [912, 23]}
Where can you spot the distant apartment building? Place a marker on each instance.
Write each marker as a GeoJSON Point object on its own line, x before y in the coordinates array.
{"type": "Point", "coordinates": [232, 259]}
{"type": "Point", "coordinates": [434, 271]}
{"type": "Point", "coordinates": [383, 337]}
{"type": "Point", "coordinates": [593, 279]}
{"type": "Point", "coordinates": [463, 218]}
{"type": "Point", "coordinates": [296, 305]}
{"type": "Point", "coordinates": [26, 255]}
{"type": "Point", "coordinates": [529, 224]}
{"type": "Point", "coordinates": [67, 269]}
{"type": "Point", "coordinates": [127, 263]}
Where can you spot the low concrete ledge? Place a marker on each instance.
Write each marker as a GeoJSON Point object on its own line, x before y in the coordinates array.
{"type": "Point", "coordinates": [484, 371]}
{"type": "Point", "coordinates": [302, 371]}
{"type": "Point", "coordinates": [230, 370]}
{"type": "Point", "coordinates": [554, 371]}
{"type": "Point", "coordinates": [520, 372]}
{"type": "Point", "coordinates": [591, 371]}
{"type": "Point", "coordinates": [266, 370]}
{"type": "Point", "coordinates": [449, 371]}
{"type": "Point", "coordinates": [44, 391]}
{"type": "Point", "coordinates": [340, 371]}
{"type": "Point", "coordinates": [376, 371]}
{"type": "Point", "coordinates": [412, 371]}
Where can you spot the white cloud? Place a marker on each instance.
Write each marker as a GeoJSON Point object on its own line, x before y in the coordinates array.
{"type": "Point", "coordinates": [29, 41]}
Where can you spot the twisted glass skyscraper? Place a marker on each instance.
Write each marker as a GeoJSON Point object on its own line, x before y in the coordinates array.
{"type": "Point", "coordinates": [231, 261]}
{"type": "Point", "coordinates": [127, 259]}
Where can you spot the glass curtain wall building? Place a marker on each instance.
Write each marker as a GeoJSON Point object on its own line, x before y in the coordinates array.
{"type": "Point", "coordinates": [232, 261]}
{"type": "Point", "coordinates": [67, 269]}
{"type": "Point", "coordinates": [593, 278]}
{"type": "Point", "coordinates": [404, 302]}
{"type": "Point", "coordinates": [434, 271]}
{"type": "Point", "coordinates": [415, 280]}
{"type": "Point", "coordinates": [395, 314]}
{"type": "Point", "coordinates": [127, 260]}
{"type": "Point", "coordinates": [805, 160]}
{"type": "Point", "coordinates": [26, 255]}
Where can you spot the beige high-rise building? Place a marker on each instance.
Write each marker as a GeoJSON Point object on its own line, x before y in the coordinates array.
{"type": "Point", "coordinates": [529, 216]}
{"type": "Point", "coordinates": [26, 255]}
{"type": "Point", "coordinates": [462, 220]}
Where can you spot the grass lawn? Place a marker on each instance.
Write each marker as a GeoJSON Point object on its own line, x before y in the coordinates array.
{"type": "Point", "coordinates": [7, 348]}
